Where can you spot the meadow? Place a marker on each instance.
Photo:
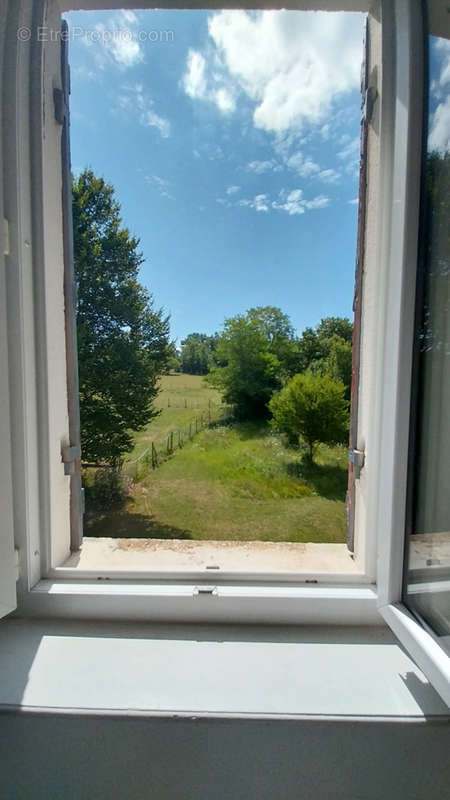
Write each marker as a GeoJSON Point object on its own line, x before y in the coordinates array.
{"type": "Point", "coordinates": [233, 481]}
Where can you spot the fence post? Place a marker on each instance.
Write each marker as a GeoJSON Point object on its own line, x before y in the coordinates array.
{"type": "Point", "coordinates": [179, 439]}
{"type": "Point", "coordinates": [185, 402]}
{"type": "Point", "coordinates": [171, 441]}
{"type": "Point", "coordinates": [190, 429]}
{"type": "Point", "coordinates": [154, 457]}
{"type": "Point", "coordinates": [196, 425]}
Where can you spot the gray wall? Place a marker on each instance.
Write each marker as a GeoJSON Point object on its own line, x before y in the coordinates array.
{"type": "Point", "coordinates": [63, 756]}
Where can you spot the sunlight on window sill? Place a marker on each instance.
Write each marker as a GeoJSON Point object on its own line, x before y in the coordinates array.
{"type": "Point", "coordinates": [212, 557]}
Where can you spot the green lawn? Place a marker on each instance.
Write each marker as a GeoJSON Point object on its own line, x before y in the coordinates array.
{"type": "Point", "coordinates": [181, 399]}
{"type": "Point", "coordinates": [231, 482]}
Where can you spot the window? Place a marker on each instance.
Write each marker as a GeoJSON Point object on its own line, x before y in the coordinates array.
{"type": "Point", "coordinates": [428, 547]}
{"type": "Point", "coordinates": [35, 361]}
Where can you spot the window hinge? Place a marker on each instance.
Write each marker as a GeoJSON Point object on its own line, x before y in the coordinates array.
{"type": "Point", "coordinates": [69, 455]}
{"type": "Point", "coordinates": [17, 562]}
{"type": "Point", "coordinates": [370, 96]}
{"type": "Point", "coordinates": [356, 457]}
{"type": "Point", "coordinates": [59, 102]}
{"type": "Point", "coordinates": [212, 590]}
{"type": "Point", "coordinates": [6, 250]}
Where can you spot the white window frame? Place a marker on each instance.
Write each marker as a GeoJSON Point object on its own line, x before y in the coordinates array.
{"type": "Point", "coordinates": [37, 380]}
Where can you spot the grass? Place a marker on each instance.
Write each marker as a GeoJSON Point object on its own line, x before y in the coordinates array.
{"type": "Point", "coordinates": [181, 399]}
{"type": "Point", "coordinates": [231, 482]}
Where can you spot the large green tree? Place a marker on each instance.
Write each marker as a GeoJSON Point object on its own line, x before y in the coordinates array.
{"type": "Point", "coordinates": [123, 341]}
{"type": "Point", "coordinates": [197, 353]}
{"type": "Point", "coordinates": [313, 408]}
{"type": "Point", "coordinates": [327, 350]}
{"type": "Point", "coordinates": [251, 372]}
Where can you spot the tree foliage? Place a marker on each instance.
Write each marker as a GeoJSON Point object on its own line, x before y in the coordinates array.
{"type": "Point", "coordinates": [123, 341]}
{"type": "Point", "coordinates": [251, 372]}
{"type": "Point", "coordinates": [327, 350]}
{"type": "Point", "coordinates": [312, 407]}
{"type": "Point", "coordinates": [197, 353]}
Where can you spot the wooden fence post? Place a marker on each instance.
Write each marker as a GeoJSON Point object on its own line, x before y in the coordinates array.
{"type": "Point", "coordinates": [154, 457]}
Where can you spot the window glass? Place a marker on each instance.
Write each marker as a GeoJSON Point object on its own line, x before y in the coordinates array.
{"type": "Point", "coordinates": [428, 553]}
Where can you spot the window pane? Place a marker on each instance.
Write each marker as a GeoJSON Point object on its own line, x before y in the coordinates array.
{"type": "Point", "coordinates": [428, 577]}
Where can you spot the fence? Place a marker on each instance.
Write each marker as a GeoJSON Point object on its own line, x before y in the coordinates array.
{"type": "Point", "coordinates": [161, 449]}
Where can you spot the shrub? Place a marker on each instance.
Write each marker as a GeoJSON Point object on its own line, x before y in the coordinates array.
{"type": "Point", "coordinates": [312, 407]}
{"type": "Point", "coordinates": [108, 487]}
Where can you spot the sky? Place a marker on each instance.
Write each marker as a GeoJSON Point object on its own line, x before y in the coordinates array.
{"type": "Point", "coordinates": [232, 141]}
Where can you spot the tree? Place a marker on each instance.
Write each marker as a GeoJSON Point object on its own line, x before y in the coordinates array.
{"type": "Point", "coordinates": [327, 350]}
{"type": "Point", "coordinates": [173, 358]}
{"type": "Point", "coordinates": [197, 353]}
{"type": "Point", "coordinates": [251, 374]}
{"type": "Point", "coordinates": [277, 329]}
{"type": "Point", "coordinates": [312, 407]}
{"type": "Point", "coordinates": [123, 342]}
{"type": "Point", "coordinates": [335, 326]}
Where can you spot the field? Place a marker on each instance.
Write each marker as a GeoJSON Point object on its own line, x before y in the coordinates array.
{"type": "Point", "coordinates": [230, 482]}
{"type": "Point", "coordinates": [181, 399]}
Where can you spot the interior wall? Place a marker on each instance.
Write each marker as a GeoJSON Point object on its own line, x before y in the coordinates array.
{"type": "Point", "coordinates": [63, 756]}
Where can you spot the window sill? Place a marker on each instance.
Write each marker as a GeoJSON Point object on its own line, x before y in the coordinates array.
{"type": "Point", "coordinates": [187, 602]}
{"type": "Point", "coordinates": [160, 559]}
{"type": "Point", "coordinates": [95, 667]}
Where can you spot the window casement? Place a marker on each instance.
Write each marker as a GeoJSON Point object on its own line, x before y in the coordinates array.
{"type": "Point", "coordinates": [38, 425]}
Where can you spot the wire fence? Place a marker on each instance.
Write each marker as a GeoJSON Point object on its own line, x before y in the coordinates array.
{"type": "Point", "coordinates": [159, 450]}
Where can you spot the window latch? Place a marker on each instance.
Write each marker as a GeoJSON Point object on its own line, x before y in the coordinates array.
{"type": "Point", "coordinates": [356, 457]}
{"type": "Point", "coordinates": [211, 590]}
{"type": "Point", "coordinates": [69, 455]}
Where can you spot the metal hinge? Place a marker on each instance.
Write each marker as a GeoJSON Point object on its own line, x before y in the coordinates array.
{"type": "Point", "coordinates": [356, 457]}
{"type": "Point", "coordinates": [370, 96]}
{"type": "Point", "coordinates": [59, 102]}
{"type": "Point", "coordinates": [6, 248]}
{"type": "Point", "coordinates": [17, 562]}
{"type": "Point", "coordinates": [69, 455]}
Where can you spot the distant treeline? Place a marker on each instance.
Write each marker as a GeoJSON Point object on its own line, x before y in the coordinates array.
{"type": "Point", "coordinates": [325, 349]}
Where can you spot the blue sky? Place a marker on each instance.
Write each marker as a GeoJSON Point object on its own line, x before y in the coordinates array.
{"type": "Point", "coordinates": [233, 143]}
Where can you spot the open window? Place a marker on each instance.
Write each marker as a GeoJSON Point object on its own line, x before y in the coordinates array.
{"type": "Point", "coordinates": [44, 497]}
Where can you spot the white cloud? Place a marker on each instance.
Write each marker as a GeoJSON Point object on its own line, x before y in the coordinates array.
{"type": "Point", "coordinates": [329, 175]}
{"type": "Point", "coordinates": [194, 80]}
{"type": "Point", "coordinates": [233, 189]}
{"type": "Point", "coordinates": [291, 203]}
{"type": "Point", "coordinates": [160, 184]}
{"type": "Point", "coordinates": [439, 137]}
{"type": "Point", "coordinates": [351, 149]}
{"type": "Point", "coordinates": [133, 100]}
{"type": "Point", "coordinates": [294, 204]}
{"type": "Point", "coordinates": [354, 201]}
{"type": "Point", "coordinates": [291, 66]}
{"type": "Point", "coordinates": [263, 166]}
{"type": "Point", "coordinates": [115, 42]}
{"type": "Point", "coordinates": [200, 86]}
{"type": "Point", "coordinates": [129, 16]}
{"type": "Point", "coordinates": [259, 203]}
{"type": "Point", "coordinates": [318, 202]}
{"type": "Point", "coordinates": [305, 167]}
{"type": "Point", "coordinates": [443, 46]}
{"type": "Point", "coordinates": [224, 100]}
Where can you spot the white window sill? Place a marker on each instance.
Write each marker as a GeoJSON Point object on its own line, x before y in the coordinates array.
{"type": "Point", "coordinates": [211, 671]}
{"type": "Point", "coordinates": [214, 560]}
{"type": "Point", "coordinates": [179, 601]}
